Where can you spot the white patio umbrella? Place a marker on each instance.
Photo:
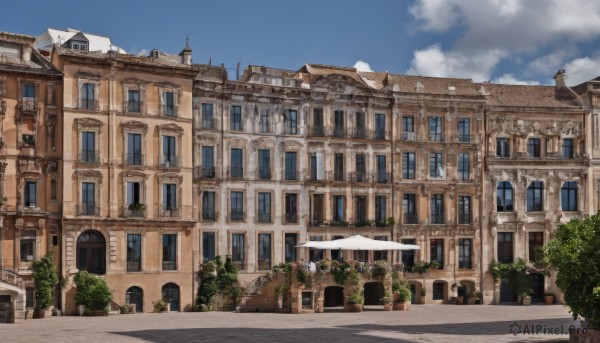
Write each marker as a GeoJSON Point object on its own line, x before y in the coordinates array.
{"type": "Point", "coordinates": [359, 242]}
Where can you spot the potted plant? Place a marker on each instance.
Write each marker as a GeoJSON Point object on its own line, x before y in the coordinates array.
{"type": "Point", "coordinates": [387, 301]}
{"type": "Point", "coordinates": [549, 298]}
{"type": "Point", "coordinates": [136, 208]}
{"type": "Point", "coordinates": [44, 278]}
{"type": "Point", "coordinates": [160, 306]}
{"type": "Point", "coordinates": [471, 298]}
{"type": "Point", "coordinates": [477, 295]}
{"type": "Point", "coordinates": [355, 301]}
{"type": "Point", "coordinates": [526, 297]}
{"type": "Point", "coordinates": [403, 302]}
{"type": "Point", "coordinates": [93, 292]}
{"type": "Point", "coordinates": [460, 300]}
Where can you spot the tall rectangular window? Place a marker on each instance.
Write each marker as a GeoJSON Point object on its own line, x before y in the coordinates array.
{"type": "Point", "coordinates": [436, 165]}
{"type": "Point", "coordinates": [87, 96]}
{"type": "Point", "coordinates": [169, 104]}
{"type": "Point", "coordinates": [382, 176]}
{"type": "Point", "coordinates": [236, 163]}
{"type": "Point", "coordinates": [264, 164]}
{"type": "Point", "coordinates": [361, 168]}
{"type": "Point", "coordinates": [502, 148]}
{"type": "Point", "coordinates": [408, 256]}
{"type": "Point", "coordinates": [338, 124]}
{"type": "Point", "coordinates": [133, 101]}
{"type": "Point", "coordinates": [505, 247]}
{"type": "Point", "coordinates": [437, 208]}
{"type": "Point", "coordinates": [316, 166]}
{"type": "Point", "coordinates": [237, 250]}
{"type": "Point", "coordinates": [436, 251]}
{"type": "Point", "coordinates": [318, 125]}
{"type": "Point", "coordinates": [361, 131]}
{"type": "Point", "coordinates": [408, 128]}
{"type": "Point", "coordinates": [318, 209]}
{"type": "Point", "coordinates": [379, 126]}
{"type": "Point", "coordinates": [264, 124]}
{"type": "Point", "coordinates": [435, 129]}
{"type": "Point", "coordinates": [504, 197]}
{"type": "Point", "coordinates": [28, 90]}
{"type": "Point", "coordinates": [134, 252]}
{"type": "Point", "coordinates": [291, 240]}
{"type": "Point", "coordinates": [169, 156]}
{"type": "Point", "coordinates": [88, 198]}
{"type": "Point", "coordinates": [88, 147]}
{"type": "Point", "coordinates": [237, 206]}
{"type": "Point", "coordinates": [133, 193]}
{"type": "Point", "coordinates": [338, 167]}
{"type": "Point", "coordinates": [464, 253]}
{"type": "Point", "coordinates": [134, 149]}
{"type": "Point", "coordinates": [380, 255]}
{"type": "Point", "coordinates": [291, 208]}
{"type": "Point", "coordinates": [291, 122]}
{"type": "Point", "coordinates": [264, 251]}
{"type": "Point", "coordinates": [409, 208]}
{"type": "Point", "coordinates": [264, 207]}
{"type": "Point", "coordinates": [53, 189]}
{"type": "Point", "coordinates": [208, 206]}
{"type": "Point", "coordinates": [464, 130]}
{"type": "Point", "coordinates": [169, 196]}
{"type": "Point", "coordinates": [568, 148]}
{"type": "Point", "coordinates": [464, 209]}
{"type": "Point", "coordinates": [169, 248]}
{"type": "Point", "coordinates": [236, 118]}
{"type": "Point", "coordinates": [408, 165]}
{"type": "Point", "coordinates": [338, 208]}
{"type": "Point", "coordinates": [208, 117]}
{"type": "Point", "coordinates": [464, 166]}
{"type": "Point", "coordinates": [208, 246]}
{"type": "Point", "coordinates": [360, 208]}
{"type": "Point", "coordinates": [535, 196]}
{"type": "Point", "coordinates": [315, 254]}
{"type": "Point", "coordinates": [536, 243]}
{"type": "Point", "coordinates": [27, 245]}
{"type": "Point", "coordinates": [568, 196]}
{"type": "Point", "coordinates": [380, 210]}
{"type": "Point", "coordinates": [533, 147]}
{"type": "Point", "coordinates": [208, 162]}
{"type": "Point", "coordinates": [290, 165]}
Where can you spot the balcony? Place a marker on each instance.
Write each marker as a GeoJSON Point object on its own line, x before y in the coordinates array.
{"type": "Point", "coordinates": [88, 209]}
{"type": "Point", "coordinates": [437, 218]}
{"type": "Point", "coordinates": [291, 129]}
{"type": "Point", "coordinates": [133, 106]}
{"type": "Point", "coordinates": [317, 131]}
{"type": "Point", "coordinates": [380, 135]}
{"type": "Point", "coordinates": [318, 219]}
{"type": "Point", "coordinates": [264, 217]}
{"type": "Point", "coordinates": [465, 138]}
{"type": "Point", "coordinates": [339, 132]}
{"type": "Point", "coordinates": [169, 265]}
{"type": "Point", "coordinates": [291, 175]}
{"type": "Point", "coordinates": [168, 110]}
{"type": "Point", "coordinates": [28, 106]}
{"type": "Point", "coordinates": [291, 218]}
{"type": "Point", "coordinates": [266, 127]}
{"type": "Point", "coordinates": [209, 215]}
{"type": "Point", "coordinates": [409, 136]}
{"type": "Point", "coordinates": [209, 124]}
{"type": "Point", "coordinates": [135, 211]}
{"type": "Point", "coordinates": [207, 172]}
{"type": "Point", "coordinates": [436, 137]}
{"type": "Point", "coordinates": [134, 159]}
{"type": "Point", "coordinates": [383, 177]}
{"type": "Point", "coordinates": [169, 161]}
{"type": "Point", "coordinates": [264, 264]}
{"type": "Point", "coordinates": [359, 133]}
{"type": "Point", "coordinates": [169, 212]}
{"type": "Point", "coordinates": [237, 215]}
{"type": "Point", "coordinates": [134, 266]}
{"type": "Point", "coordinates": [359, 176]}
{"type": "Point", "coordinates": [88, 104]}
{"type": "Point", "coordinates": [410, 218]}
{"type": "Point", "coordinates": [464, 218]}
{"type": "Point", "coordinates": [380, 222]}
{"type": "Point", "coordinates": [361, 221]}
{"type": "Point", "coordinates": [338, 175]}
{"type": "Point", "coordinates": [264, 174]}
{"type": "Point", "coordinates": [89, 156]}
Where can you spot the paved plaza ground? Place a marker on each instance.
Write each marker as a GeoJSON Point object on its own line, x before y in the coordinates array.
{"type": "Point", "coordinates": [423, 323]}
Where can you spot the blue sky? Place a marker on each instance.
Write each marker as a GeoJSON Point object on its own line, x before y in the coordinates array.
{"type": "Point", "coordinates": [505, 41]}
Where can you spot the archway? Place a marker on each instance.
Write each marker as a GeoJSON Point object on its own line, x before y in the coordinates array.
{"type": "Point", "coordinates": [136, 297]}
{"type": "Point", "coordinates": [440, 290]}
{"type": "Point", "coordinates": [6, 309]}
{"type": "Point", "coordinates": [170, 294]}
{"type": "Point", "coordinates": [91, 252]}
{"type": "Point", "coordinates": [334, 296]}
{"type": "Point", "coordinates": [373, 293]}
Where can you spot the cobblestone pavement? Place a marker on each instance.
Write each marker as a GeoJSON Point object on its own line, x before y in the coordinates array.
{"type": "Point", "coordinates": [423, 323]}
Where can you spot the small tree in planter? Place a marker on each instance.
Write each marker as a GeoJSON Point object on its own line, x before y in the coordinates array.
{"type": "Point", "coordinates": [355, 301]}
{"type": "Point", "coordinates": [44, 278]}
{"type": "Point", "coordinates": [403, 303]}
{"type": "Point", "coordinates": [92, 292]}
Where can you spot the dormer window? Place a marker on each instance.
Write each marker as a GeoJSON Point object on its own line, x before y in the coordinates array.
{"type": "Point", "coordinates": [10, 50]}
{"type": "Point", "coordinates": [79, 45]}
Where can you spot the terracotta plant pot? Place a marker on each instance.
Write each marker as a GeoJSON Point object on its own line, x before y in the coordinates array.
{"type": "Point", "coordinates": [549, 299]}
{"type": "Point", "coordinates": [401, 306]}
{"type": "Point", "coordinates": [353, 307]}
{"type": "Point", "coordinates": [387, 307]}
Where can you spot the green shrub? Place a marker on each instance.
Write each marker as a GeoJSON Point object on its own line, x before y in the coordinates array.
{"type": "Point", "coordinates": [92, 291]}
{"type": "Point", "coordinates": [404, 293]}
{"type": "Point", "coordinates": [44, 278]}
{"type": "Point", "coordinates": [355, 296]}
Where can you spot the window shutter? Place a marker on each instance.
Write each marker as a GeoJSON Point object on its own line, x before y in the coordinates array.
{"type": "Point", "coordinates": [320, 171]}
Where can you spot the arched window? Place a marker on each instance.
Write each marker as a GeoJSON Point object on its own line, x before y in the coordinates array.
{"type": "Point", "coordinates": [504, 197]}
{"type": "Point", "coordinates": [136, 297]}
{"type": "Point", "coordinates": [91, 252]}
{"type": "Point", "coordinates": [568, 196]}
{"type": "Point", "coordinates": [535, 196]}
{"type": "Point", "coordinates": [170, 294]}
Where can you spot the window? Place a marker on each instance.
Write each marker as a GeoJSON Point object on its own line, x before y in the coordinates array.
{"type": "Point", "coordinates": [568, 148]}
{"type": "Point", "coordinates": [264, 207]}
{"type": "Point", "coordinates": [169, 258]}
{"type": "Point", "coordinates": [502, 148]}
{"type": "Point", "coordinates": [408, 128]}
{"type": "Point", "coordinates": [409, 207]}
{"type": "Point", "coordinates": [28, 90]}
{"type": "Point", "coordinates": [53, 189]}
{"type": "Point", "coordinates": [338, 208]}
{"type": "Point", "coordinates": [360, 214]}
{"type": "Point", "coordinates": [169, 197]}
{"type": "Point", "coordinates": [379, 126]}
{"type": "Point", "coordinates": [134, 198]}
{"type": "Point", "coordinates": [264, 251]}
{"type": "Point", "coordinates": [88, 147]}
{"type": "Point", "coordinates": [291, 240]}
{"type": "Point", "coordinates": [464, 253]}
{"type": "Point", "coordinates": [338, 167]}
{"type": "Point", "coordinates": [237, 163]}
{"type": "Point", "coordinates": [291, 122]}
{"type": "Point", "coordinates": [380, 210]}
{"type": "Point", "coordinates": [361, 131]}
{"type": "Point", "coordinates": [408, 256]}
{"type": "Point", "coordinates": [436, 251]}
{"type": "Point", "coordinates": [536, 242]}
{"type": "Point", "coordinates": [134, 149]}
{"type": "Point", "coordinates": [381, 254]}
{"type": "Point", "coordinates": [169, 109]}
{"type": "Point", "coordinates": [318, 209]}
{"type": "Point", "coordinates": [27, 244]}
{"type": "Point", "coordinates": [134, 252]}
{"type": "Point", "coordinates": [133, 101]}
{"type": "Point", "coordinates": [436, 165]}
{"type": "Point", "coordinates": [318, 128]}
{"type": "Point", "coordinates": [207, 117]}
{"type": "Point", "coordinates": [264, 164]}
{"type": "Point", "coordinates": [30, 194]}
{"type": "Point", "coordinates": [535, 196]}
{"type": "Point", "coordinates": [437, 208]}
{"type": "Point", "coordinates": [339, 127]}
{"type": "Point", "coordinates": [315, 254]}
{"type": "Point", "coordinates": [87, 96]}
{"type": "Point", "coordinates": [533, 147]}
{"type": "Point", "coordinates": [504, 197]}
{"type": "Point", "coordinates": [237, 250]}
{"type": "Point", "coordinates": [91, 252]}
{"type": "Point", "coordinates": [264, 126]}
{"type": "Point", "coordinates": [29, 296]}
{"type": "Point", "coordinates": [208, 246]}
{"type": "Point", "coordinates": [208, 158]}
{"type": "Point", "coordinates": [290, 165]}
{"type": "Point", "coordinates": [316, 166]}
{"type": "Point", "coordinates": [79, 45]}
{"type": "Point", "coordinates": [438, 290]}
{"type": "Point", "coordinates": [169, 157]}
{"type": "Point", "coordinates": [464, 166]}
{"type": "Point", "coordinates": [464, 209]}
{"type": "Point", "coordinates": [361, 169]}
{"type": "Point", "coordinates": [381, 169]}
{"type": "Point", "coordinates": [505, 247]}
{"type": "Point", "coordinates": [291, 208]}
{"type": "Point", "coordinates": [408, 165]}
{"type": "Point", "coordinates": [435, 129]}
{"type": "Point", "coordinates": [88, 198]}
{"type": "Point", "coordinates": [208, 206]}
{"type": "Point", "coordinates": [568, 196]}
{"type": "Point", "coordinates": [464, 130]}
{"type": "Point", "coordinates": [237, 206]}
{"type": "Point", "coordinates": [236, 118]}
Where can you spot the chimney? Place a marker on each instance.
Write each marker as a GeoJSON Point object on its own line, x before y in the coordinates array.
{"type": "Point", "coordinates": [560, 78]}
{"type": "Point", "coordinates": [186, 53]}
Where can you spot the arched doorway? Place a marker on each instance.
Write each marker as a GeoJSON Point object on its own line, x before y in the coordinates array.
{"type": "Point", "coordinates": [170, 293]}
{"type": "Point", "coordinates": [91, 252]}
{"type": "Point", "coordinates": [334, 296]}
{"type": "Point", "coordinates": [373, 293]}
{"type": "Point", "coordinates": [136, 297]}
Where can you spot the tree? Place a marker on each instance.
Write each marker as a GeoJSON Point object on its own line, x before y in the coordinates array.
{"type": "Point", "coordinates": [92, 291]}
{"type": "Point", "coordinates": [575, 255]}
{"type": "Point", "coordinates": [44, 278]}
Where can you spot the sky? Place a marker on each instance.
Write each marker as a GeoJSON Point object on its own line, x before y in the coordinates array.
{"type": "Point", "coordinates": [503, 41]}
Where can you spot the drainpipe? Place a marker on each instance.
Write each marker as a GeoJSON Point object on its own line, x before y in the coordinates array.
{"type": "Point", "coordinates": [482, 215]}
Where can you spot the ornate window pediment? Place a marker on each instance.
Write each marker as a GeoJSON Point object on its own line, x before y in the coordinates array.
{"type": "Point", "coordinates": [89, 124]}
{"type": "Point", "coordinates": [135, 125]}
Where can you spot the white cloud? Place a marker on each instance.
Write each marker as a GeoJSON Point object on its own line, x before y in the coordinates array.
{"type": "Point", "coordinates": [362, 66]}
{"type": "Point", "coordinates": [582, 69]}
{"type": "Point", "coordinates": [435, 15]}
{"type": "Point", "coordinates": [509, 79]}
{"type": "Point", "coordinates": [550, 63]}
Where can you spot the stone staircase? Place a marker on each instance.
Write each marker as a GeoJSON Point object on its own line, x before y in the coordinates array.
{"type": "Point", "coordinates": [261, 294]}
